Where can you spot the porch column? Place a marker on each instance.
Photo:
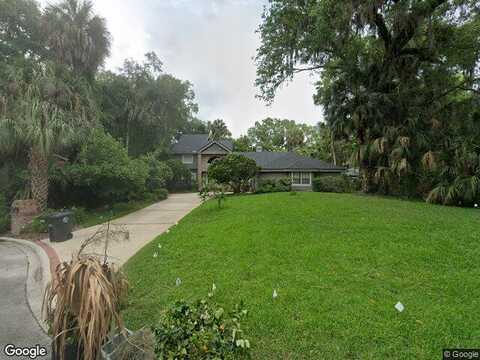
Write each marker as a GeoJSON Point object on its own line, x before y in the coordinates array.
{"type": "Point", "coordinates": [199, 171]}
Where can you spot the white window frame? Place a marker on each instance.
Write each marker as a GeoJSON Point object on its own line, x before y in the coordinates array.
{"type": "Point", "coordinates": [303, 175]}
{"type": "Point", "coordinates": [185, 157]}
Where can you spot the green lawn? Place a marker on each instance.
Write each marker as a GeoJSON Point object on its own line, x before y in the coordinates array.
{"type": "Point", "coordinates": [339, 263]}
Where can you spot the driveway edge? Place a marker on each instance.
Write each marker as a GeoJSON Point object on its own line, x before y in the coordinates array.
{"type": "Point", "coordinates": [38, 276]}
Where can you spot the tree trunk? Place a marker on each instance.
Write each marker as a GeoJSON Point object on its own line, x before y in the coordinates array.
{"type": "Point", "coordinates": [332, 146]}
{"type": "Point", "coordinates": [127, 136]}
{"type": "Point", "coordinates": [38, 166]}
{"type": "Point", "coordinates": [366, 176]}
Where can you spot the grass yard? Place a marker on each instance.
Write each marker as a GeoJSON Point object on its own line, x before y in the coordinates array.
{"type": "Point", "coordinates": [339, 263]}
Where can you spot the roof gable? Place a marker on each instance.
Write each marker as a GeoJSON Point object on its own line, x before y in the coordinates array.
{"type": "Point", "coordinates": [190, 144]}
{"type": "Point", "coordinates": [214, 147]}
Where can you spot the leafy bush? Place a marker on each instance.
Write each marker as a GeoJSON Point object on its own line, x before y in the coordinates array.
{"type": "Point", "coordinates": [159, 173]}
{"type": "Point", "coordinates": [201, 330]}
{"type": "Point", "coordinates": [80, 214]}
{"type": "Point", "coordinates": [266, 186]}
{"type": "Point", "coordinates": [4, 215]}
{"type": "Point", "coordinates": [152, 196]}
{"type": "Point", "coordinates": [234, 170]}
{"type": "Point", "coordinates": [102, 173]}
{"type": "Point", "coordinates": [39, 224]}
{"type": "Point", "coordinates": [271, 185]}
{"type": "Point", "coordinates": [181, 176]}
{"type": "Point", "coordinates": [14, 180]}
{"type": "Point", "coordinates": [160, 194]}
{"type": "Point", "coordinates": [337, 184]}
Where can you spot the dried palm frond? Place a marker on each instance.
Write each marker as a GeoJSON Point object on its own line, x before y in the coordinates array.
{"type": "Point", "coordinates": [383, 175]}
{"type": "Point", "coordinates": [355, 158]}
{"type": "Point", "coordinates": [475, 185]}
{"type": "Point", "coordinates": [401, 166]}
{"type": "Point", "coordinates": [380, 145]}
{"type": "Point", "coordinates": [404, 141]}
{"type": "Point", "coordinates": [436, 124]}
{"type": "Point", "coordinates": [83, 301]}
{"type": "Point", "coordinates": [429, 160]}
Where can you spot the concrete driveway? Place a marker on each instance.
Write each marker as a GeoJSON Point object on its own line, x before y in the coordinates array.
{"type": "Point", "coordinates": [143, 225]}
{"type": "Point", "coordinates": [20, 298]}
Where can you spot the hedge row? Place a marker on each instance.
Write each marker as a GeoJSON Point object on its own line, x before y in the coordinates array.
{"type": "Point", "coordinates": [336, 184]}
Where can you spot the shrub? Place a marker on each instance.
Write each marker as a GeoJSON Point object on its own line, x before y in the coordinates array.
{"type": "Point", "coordinates": [161, 194]}
{"type": "Point", "coordinates": [234, 170]}
{"type": "Point", "coordinates": [270, 185]}
{"type": "Point", "coordinates": [266, 186]}
{"type": "Point", "coordinates": [152, 196]}
{"type": "Point", "coordinates": [102, 173]}
{"type": "Point", "coordinates": [159, 173]}
{"type": "Point", "coordinates": [201, 330]}
{"type": "Point", "coordinates": [337, 184]}
{"type": "Point", "coordinates": [14, 181]}
{"type": "Point", "coordinates": [39, 224]}
{"type": "Point", "coordinates": [4, 215]}
{"type": "Point", "coordinates": [181, 176]}
{"type": "Point", "coordinates": [80, 215]}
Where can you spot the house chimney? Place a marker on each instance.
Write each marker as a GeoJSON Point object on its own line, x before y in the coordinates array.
{"type": "Point", "coordinates": [259, 148]}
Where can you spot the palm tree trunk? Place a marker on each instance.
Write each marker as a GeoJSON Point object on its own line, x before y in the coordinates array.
{"type": "Point", "coordinates": [366, 176]}
{"type": "Point", "coordinates": [332, 148]}
{"type": "Point", "coordinates": [38, 166]}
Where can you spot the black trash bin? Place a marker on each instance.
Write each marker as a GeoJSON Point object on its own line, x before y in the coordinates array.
{"type": "Point", "coordinates": [60, 226]}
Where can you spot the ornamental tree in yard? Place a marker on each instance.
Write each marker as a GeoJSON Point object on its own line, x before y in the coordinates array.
{"type": "Point", "coordinates": [234, 170]}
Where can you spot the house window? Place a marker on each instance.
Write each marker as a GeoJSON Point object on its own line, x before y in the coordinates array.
{"type": "Point", "coordinates": [187, 159]}
{"type": "Point", "coordinates": [194, 176]}
{"type": "Point", "coordinates": [301, 178]}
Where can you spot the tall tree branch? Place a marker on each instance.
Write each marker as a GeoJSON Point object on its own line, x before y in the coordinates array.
{"type": "Point", "coordinates": [418, 14]}
{"type": "Point", "coordinates": [382, 29]}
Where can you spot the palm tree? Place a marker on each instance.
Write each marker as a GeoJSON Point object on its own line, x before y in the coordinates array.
{"type": "Point", "coordinates": [79, 39]}
{"type": "Point", "coordinates": [217, 130]}
{"type": "Point", "coordinates": [32, 122]}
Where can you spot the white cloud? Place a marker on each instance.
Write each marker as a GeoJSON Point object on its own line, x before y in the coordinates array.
{"type": "Point", "coordinates": [210, 43]}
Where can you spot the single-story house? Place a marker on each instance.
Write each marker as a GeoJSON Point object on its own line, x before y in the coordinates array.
{"type": "Point", "coordinates": [197, 152]}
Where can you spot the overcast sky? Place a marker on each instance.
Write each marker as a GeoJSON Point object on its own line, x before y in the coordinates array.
{"type": "Point", "coordinates": [210, 43]}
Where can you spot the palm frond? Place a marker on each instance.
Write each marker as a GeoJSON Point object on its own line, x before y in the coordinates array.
{"type": "Point", "coordinates": [437, 195]}
{"type": "Point", "coordinates": [429, 160]}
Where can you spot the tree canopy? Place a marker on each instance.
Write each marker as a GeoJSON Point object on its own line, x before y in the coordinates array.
{"type": "Point", "coordinates": [397, 78]}
{"type": "Point", "coordinates": [144, 107]}
{"type": "Point", "coordinates": [54, 94]}
{"type": "Point", "coordinates": [76, 37]}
